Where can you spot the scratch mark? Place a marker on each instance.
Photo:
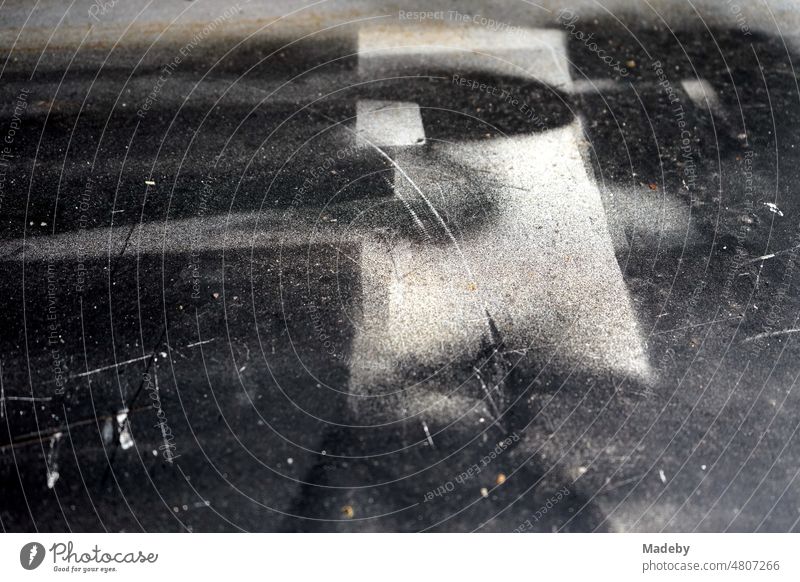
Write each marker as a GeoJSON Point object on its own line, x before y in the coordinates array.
{"type": "Point", "coordinates": [761, 258]}
{"type": "Point", "coordinates": [759, 336]}
{"type": "Point", "coordinates": [410, 210]}
{"type": "Point", "coordinates": [772, 255]}
{"type": "Point", "coordinates": [344, 254]}
{"type": "Point", "coordinates": [613, 487]}
{"type": "Point", "coordinates": [195, 344]}
{"type": "Point", "coordinates": [399, 169]}
{"type": "Point", "coordinates": [112, 366]}
{"type": "Point", "coordinates": [37, 437]}
{"type": "Point", "coordinates": [495, 410]}
{"type": "Point", "coordinates": [713, 321]}
{"type": "Point", "coordinates": [28, 398]}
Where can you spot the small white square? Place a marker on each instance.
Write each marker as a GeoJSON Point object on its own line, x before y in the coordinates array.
{"type": "Point", "coordinates": [389, 123]}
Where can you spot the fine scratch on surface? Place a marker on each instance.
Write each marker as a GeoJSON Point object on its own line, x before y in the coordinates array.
{"type": "Point", "coordinates": [495, 409]}
{"type": "Point", "coordinates": [759, 336]}
{"type": "Point", "coordinates": [200, 343]}
{"type": "Point", "coordinates": [417, 189]}
{"type": "Point", "coordinates": [712, 322]}
{"type": "Point", "coordinates": [771, 255]}
{"type": "Point", "coordinates": [609, 487]}
{"type": "Point", "coordinates": [29, 398]}
{"type": "Point", "coordinates": [112, 366]}
{"type": "Point", "coordinates": [37, 437]}
{"type": "Point", "coordinates": [761, 258]}
{"type": "Point", "coordinates": [391, 160]}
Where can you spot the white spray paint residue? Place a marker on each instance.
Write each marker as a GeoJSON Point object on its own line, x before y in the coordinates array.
{"type": "Point", "coordinates": [52, 463]}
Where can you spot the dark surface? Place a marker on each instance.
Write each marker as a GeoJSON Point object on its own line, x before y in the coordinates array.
{"type": "Point", "coordinates": [710, 445]}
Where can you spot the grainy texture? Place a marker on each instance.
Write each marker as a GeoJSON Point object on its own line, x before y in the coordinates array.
{"type": "Point", "coordinates": [226, 309]}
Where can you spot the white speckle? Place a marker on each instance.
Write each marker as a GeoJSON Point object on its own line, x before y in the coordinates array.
{"type": "Point", "coordinates": [149, 182]}
{"type": "Point", "coordinates": [43, 224]}
{"type": "Point", "coordinates": [323, 453]}
{"type": "Point", "coordinates": [427, 434]}
{"type": "Point", "coordinates": [662, 476]}
{"type": "Point", "coordinates": [702, 467]}
{"type": "Point", "coordinates": [582, 470]}
{"type": "Point", "coordinates": [108, 431]}
{"type": "Point", "coordinates": [51, 462]}
{"type": "Point", "coordinates": [242, 369]}
{"type": "Point", "coordinates": [163, 354]}
{"type": "Point", "coordinates": [484, 492]}
{"type": "Point", "coordinates": [700, 92]}
{"type": "Point", "coordinates": [155, 453]}
{"type": "Point", "coordinates": [290, 460]}
{"type": "Point", "coordinates": [773, 208]}
{"type": "Point", "coordinates": [52, 477]}
{"type": "Point", "coordinates": [125, 438]}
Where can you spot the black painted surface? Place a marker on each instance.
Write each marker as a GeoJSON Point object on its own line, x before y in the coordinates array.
{"type": "Point", "coordinates": [713, 445]}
